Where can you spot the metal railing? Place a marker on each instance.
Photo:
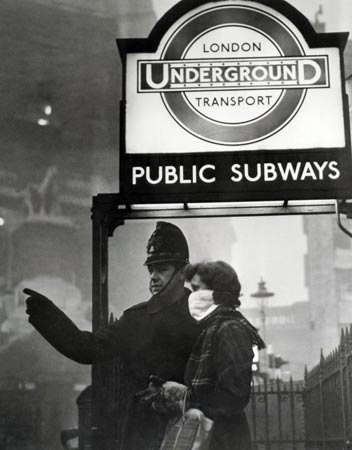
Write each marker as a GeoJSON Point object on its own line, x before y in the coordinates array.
{"type": "Point", "coordinates": [275, 413]}
{"type": "Point", "coordinates": [328, 402]}
{"type": "Point", "coordinates": [276, 416]}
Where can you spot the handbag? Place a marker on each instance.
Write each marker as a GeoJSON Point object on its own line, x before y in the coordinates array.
{"type": "Point", "coordinates": [192, 431]}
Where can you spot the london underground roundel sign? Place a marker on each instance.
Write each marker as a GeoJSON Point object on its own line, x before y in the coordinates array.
{"type": "Point", "coordinates": [245, 86]}
{"type": "Point", "coordinates": [230, 77]}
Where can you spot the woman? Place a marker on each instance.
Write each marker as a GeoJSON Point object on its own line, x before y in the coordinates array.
{"type": "Point", "coordinates": [218, 374]}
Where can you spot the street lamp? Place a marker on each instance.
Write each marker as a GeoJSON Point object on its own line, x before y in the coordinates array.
{"type": "Point", "coordinates": [262, 295]}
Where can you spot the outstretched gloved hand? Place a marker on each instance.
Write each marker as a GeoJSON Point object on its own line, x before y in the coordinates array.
{"type": "Point", "coordinates": [35, 302]}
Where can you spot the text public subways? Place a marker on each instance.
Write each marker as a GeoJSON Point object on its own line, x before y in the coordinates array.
{"type": "Point", "coordinates": [267, 172]}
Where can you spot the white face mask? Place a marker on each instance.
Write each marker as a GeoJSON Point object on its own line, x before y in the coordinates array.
{"type": "Point", "coordinates": [201, 303]}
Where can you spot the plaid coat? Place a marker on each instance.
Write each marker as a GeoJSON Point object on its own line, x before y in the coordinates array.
{"type": "Point", "coordinates": [219, 375]}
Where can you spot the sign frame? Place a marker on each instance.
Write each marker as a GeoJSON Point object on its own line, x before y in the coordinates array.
{"type": "Point", "coordinates": [207, 193]}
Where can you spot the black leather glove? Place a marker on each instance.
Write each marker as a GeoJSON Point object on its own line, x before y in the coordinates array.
{"type": "Point", "coordinates": [59, 330]}
{"type": "Point", "coordinates": [35, 302]}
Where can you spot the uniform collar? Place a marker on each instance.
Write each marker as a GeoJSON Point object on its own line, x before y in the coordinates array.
{"type": "Point", "coordinates": [159, 302]}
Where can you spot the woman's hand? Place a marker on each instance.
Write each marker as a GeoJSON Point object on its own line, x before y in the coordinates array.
{"type": "Point", "coordinates": [171, 398]}
{"type": "Point", "coordinates": [165, 397]}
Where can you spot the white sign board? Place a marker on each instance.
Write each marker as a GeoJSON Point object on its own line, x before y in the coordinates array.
{"type": "Point", "coordinates": [234, 78]}
{"type": "Point", "coordinates": [240, 77]}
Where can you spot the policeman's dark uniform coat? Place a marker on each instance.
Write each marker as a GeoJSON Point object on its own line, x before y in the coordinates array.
{"type": "Point", "coordinates": [152, 338]}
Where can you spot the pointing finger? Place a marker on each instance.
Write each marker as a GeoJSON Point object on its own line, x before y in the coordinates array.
{"type": "Point", "coordinates": [28, 291]}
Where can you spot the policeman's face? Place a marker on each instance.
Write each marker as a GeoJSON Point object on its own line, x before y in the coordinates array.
{"type": "Point", "coordinates": [159, 276]}
{"type": "Point", "coordinates": [197, 283]}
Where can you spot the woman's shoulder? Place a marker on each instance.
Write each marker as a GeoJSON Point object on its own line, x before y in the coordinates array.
{"type": "Point", "coordinates": [231, 323]}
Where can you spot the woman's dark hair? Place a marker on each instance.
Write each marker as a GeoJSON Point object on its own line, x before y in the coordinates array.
{"type": "Point", "coordinates": [217, 275]}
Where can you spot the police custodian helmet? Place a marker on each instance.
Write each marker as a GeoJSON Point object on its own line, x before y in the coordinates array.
{"type": "Point", "coordinates": [167, 244]}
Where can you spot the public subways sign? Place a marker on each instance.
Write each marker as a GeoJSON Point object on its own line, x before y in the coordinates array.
{"type": "Point", "coordinates": [234, 100]}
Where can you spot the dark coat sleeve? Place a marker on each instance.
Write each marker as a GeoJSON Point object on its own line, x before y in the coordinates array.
{"type": "Point", "coordinates": [81, 346]}
{"type": "Point", "coordinates": [233, 362]}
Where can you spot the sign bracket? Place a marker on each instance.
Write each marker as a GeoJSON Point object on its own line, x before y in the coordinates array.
{"type": "Point", "coordinates": [344, 207]}
{"type": "Point", "coordinates": [116, 210]}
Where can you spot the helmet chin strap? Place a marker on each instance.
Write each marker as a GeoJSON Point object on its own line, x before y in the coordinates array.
{"type": "Point", "coordinates": [168, 283]}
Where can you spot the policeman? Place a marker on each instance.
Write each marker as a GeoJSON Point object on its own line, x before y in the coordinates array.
{"type": "Point", "coordinates": [152, 338]}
